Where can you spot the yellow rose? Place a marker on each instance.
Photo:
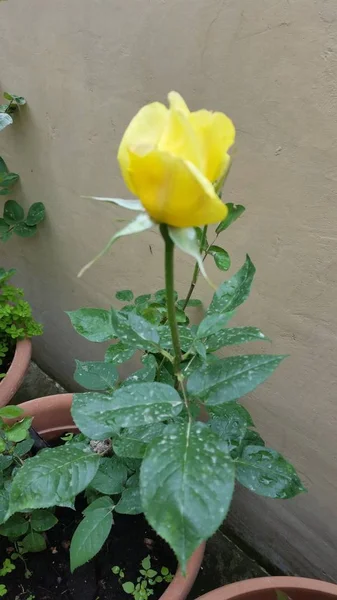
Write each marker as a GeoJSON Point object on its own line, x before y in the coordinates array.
{"type": "Point", "coordinates": [171, 157]}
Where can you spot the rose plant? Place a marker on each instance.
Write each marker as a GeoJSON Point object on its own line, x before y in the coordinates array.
{"type": "Point", "coordinates": [142, 446]}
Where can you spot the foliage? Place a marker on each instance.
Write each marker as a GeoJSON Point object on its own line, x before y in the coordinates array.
{"type": "Point", "coordinates": [13, 220]}
{"type": "Point", "coordinates": [143, 588]}
{"type": "Point", "coordinates": [142, 447]}
{"type": "Point", "coordinates": [16, 321]}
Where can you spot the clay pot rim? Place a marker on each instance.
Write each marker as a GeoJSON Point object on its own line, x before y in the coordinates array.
{"type": "Point", "coordinates": [242, 589]}
{"type": "Point", "coordinates": [10, 384]}
{"type": "Point", "coordinates": [53, 419]}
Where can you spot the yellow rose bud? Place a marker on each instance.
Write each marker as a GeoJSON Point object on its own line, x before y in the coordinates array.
{"type": "Point", "coordinates": [170, 158]}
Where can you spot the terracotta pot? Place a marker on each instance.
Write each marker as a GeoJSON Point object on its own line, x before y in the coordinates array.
{"type": "Point", "coordinates": [297, 588]}
{"type": "Point", "coordinates": [11, 382]}
{"type": "Point", "coordinates": [52, 418]}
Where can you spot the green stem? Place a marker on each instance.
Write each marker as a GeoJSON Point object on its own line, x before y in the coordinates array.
{"type": "Point", "coordinates": [196, 269]}
{"type": "Point", "coordinates": [170, 299]}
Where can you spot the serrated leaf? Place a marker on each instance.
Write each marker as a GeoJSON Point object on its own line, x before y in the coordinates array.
{"type": "Point", "coordinates": [24, 230]}
{"type": "Point", "coordinates": [221, 257]}
{"type": "Point", "coordinates": [15, 527]}
{"type": "Point", "coordinates": [135, 331]}
{"type": "Point", "coordinates": [212, 324]}
{"type": "Point", "coordinates": [235, 291]}
{"type": "Point", "coordinates": [101, 502]}
{"type": "Point", "coordinates": [42, 520]}
{"type": "Point", "coordinates": [92, 323]}
{"type": "Point", "coordinates": [185, 336]}
{"type": "Point", "coordinates": [13, 212]}
{"type": "Point", "coordinates": [233, 336]}
{"type": "Point", "coordinates": [52, 478]}
{"type": "Point", "coordinates": [110, 477]}
{"type": "Point", "coordinates": [133, 442]}
{"type": "Point", "coordinates": [130, 502]}
{"type": "Point", "coordinates": [148, 373]}
{"type": "Point", "coordinates": [36, 214]}
{"type": "Point", "coordinates": [267, 473]}
{"type": "Point", "coordinates": [101, 415]}
{"type": "Point", "coordinates": [119, 353]}
{"type": "Point", "coordinates": [186, 482]}
{"type": "Point", "coordinates": [234, 212]}
{"type": "Point", "coordinates": [231, 378]}
{"type": "Point", "coordinates": [96, 375]}
{"type": "Point", "coordinates": [124, 295]}
{"type": "Point", "coordinates": [230, 423]}
{"type": "Point", "coordinates": [5, 120]}
{"type": "Point", "coordinates": [10, 412]}
{"type": "Point", "coordinates": [90, 536]}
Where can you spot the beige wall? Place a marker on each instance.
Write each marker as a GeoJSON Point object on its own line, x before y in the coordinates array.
{"type": "Point", "coordinates": [85, 67]}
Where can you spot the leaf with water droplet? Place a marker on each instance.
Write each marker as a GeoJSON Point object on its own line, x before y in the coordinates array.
{"type": "Point", "coordinates": [267, 473]}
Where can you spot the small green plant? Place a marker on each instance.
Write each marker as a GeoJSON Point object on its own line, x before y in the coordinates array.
{"type": "Point", "coordinates": [14, 220]}
{"type": "Point", "coordinates": [7, 567]}
{"type": "Point", "coordinates": [142, 589]}
{"type": "Point", "coordinates": [16, 321]}
{"type": "Point", "coordinates": [3, 590]}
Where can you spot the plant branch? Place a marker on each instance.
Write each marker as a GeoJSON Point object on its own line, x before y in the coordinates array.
{"type": "Point", "coordinates": [196, 269]}
{"type": "Point", "coordinates": [170, 299]}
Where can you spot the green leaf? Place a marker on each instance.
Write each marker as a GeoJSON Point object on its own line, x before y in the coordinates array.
{"type": "Point", "coordinates": [252, 438]}
{"type": "Point", "coordinates": [102, 502]}
{"type": "Point", "coordinates": [212, 324]}
{"type": "Point", "coordinates": [13, 212]}
{"type": "Point", "coordinates": [25, 231]}
{"type": "Point", "coordinates": [90, 536]}
{"type": "Point", "coordinates": [124, 295]}
{"type": "Point", "coordinates": [267, 473]}
{"type": "Point", "coordinates": [4, 500]}
{"type": "Point", "coordinates": [119, 353]}
{"type": "Point", "coordinates": [231, 378]}
{"type": "Point", "coordinates": [92, 323]}
{"type": "Point", "coordinates": [134, 330]}
{"type": "Point", "coordinates": [5, 120]}
{"type": "Point", "coordinates": [143, 299]}
{"type": "Point", "coordinates": [34, 542]}
{"type": "Point", "coordinates": [5, 461]}
{"type": "Point", "coordinates": [110, 477]}
{"type": "Point", "coordinates": [133, 442]}
{"type": "Point", "coordinates": [146, 563]}
{"type": "Point", "coordinates": [36, 214]}
{"type": "Point", "coordinates": [187, 482]}
{"type": "Point", "coordinates": [9, 179]}
{"type": "Point", "coordinates": [4, 227]}
{"type": "Point", "coordinates": [12, 97]}
{"type": "Point", "coordinates": [24, 447]}
{"type": "Point", "coordinates": [185, 238]}
{"type": "Point", "coordinates": [16, 526]}
{"type": "Point", "coordinates": [100, 415]}
{"type": "Point", "coordinates": [42, 520]}
{"type": "Point", "coordinates": [231, 424]}
{"type": "Point", "coordinates": [96, 375]}
{"type": "Point", "coordinates": [199, 233]}
{"type": "Point", "coordinates": [234, 212]}
{"type": "Point", "coordinates": [235, 291]}
{"type": "Point", "coordinates": [10, 412]}
{"type": "Point", "coordinates": [185, 336]}
{"type": "Point", "coordinates": [52, 477]}
{"type": "Point", "coordinates": [148, 373]}
{"type": "Point", "coordinates": [233, 336]}
{"type": "Point", "coordinates": [3, 167]}
{"type": "Point", "coordinates": [128, 587]}
{"type": "Point", "coordinates": [19, 431]}
{"type": "Point", "coordinates": [140, 223]}
{"type": "Point", "coordinates": [130, 502]}
{"type": "Point", "coordinates": [221, 257]}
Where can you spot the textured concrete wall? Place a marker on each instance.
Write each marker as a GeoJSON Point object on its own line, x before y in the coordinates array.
{"type": "Point", "coordinates": [85, 67]}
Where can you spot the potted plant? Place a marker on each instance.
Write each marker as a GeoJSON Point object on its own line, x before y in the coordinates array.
{"type": "Point", "coordinates": [17, 326]}
{"type": "Point", "coordinates": [275, 588]}
{"type": "Point", "coordinates": [142, 447]}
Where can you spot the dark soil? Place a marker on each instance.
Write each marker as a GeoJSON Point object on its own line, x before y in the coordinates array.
{"type": "Point", "coordinates": [7, 360]}
{"type": "Point", "coordinates": [130, 540]}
